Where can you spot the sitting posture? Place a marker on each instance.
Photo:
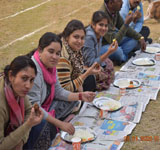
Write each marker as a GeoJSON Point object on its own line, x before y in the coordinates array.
{"type": "Point", "coordinates": [17, 116]}
{"type": "Point", "coordinates": [91, 50]}
{"type": "Point", "coordinates": [55, 101]}
{"type": "Point", "coordinates": [118, 29]}
{"type": "Point", "coordinates": [135, 7]}
{"type": "Point", "coordinates": [71, 72]}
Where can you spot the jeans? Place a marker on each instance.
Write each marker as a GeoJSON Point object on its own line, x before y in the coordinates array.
{"type": "Point", "coordinates": [124, 48]}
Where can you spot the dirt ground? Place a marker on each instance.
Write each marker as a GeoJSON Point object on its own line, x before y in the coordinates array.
{"type": "Point", "coordinates": [20, 34]}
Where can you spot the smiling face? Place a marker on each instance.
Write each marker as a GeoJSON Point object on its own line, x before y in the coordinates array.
{"type": "Point", "coordinates": [76, 39]}
{"type": "Point", "coordinates": [22, 82]}
{"type": "Point", "coordinates": [50, 55]}
{"type": "Point", "coordinates": [134, 3]}
{"type": "Point", "coordinates": [100, 28]}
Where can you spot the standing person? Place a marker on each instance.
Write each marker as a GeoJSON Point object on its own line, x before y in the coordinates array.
{"type": "Point", "coordinates": [138, 17]}
{"type": "Point", "coordinates": [16, 115]}
{"type": "Point", "coordinates": [47, 91]}
{"type": "Point", "coordinates": [92, 46]}
{"type": "Point", "coordinates": [71, 72]}
{"type": "Point", "coordinates": [118, 29]}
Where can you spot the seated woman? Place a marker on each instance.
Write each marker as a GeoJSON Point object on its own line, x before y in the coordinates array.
{"type": "Point", "coordinates": [16, 115]}
{"type": "Point", "coordinates": [71, 73]}
{"type": "Point", "coordinates": [46, 90]}
{"type": "Point", "coordinates": [91, 50]}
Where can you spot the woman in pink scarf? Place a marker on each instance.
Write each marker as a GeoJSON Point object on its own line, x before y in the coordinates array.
{"type": "Point", "coordinates": [47, 92]}
{"type": "Point", "coordinates": [16, 115]}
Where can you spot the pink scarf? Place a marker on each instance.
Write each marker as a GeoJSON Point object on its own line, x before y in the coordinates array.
{"type": "Point", "coordinates": [16, 109]}
{"type": "Point", "coordinates": [49, 76]}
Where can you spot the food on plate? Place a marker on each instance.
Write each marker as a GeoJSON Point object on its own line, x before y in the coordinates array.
{"type": "Point", "coordinates": [144, 61]}
{"type": "Point", "coordinates": [112, 105]}
{"type": "Point", "coordinates": [84, 134]}
{"type": "Point", "coordinates": [152, 49]}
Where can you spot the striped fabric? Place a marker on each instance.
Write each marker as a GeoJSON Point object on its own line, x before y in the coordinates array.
{"type": "Point", "coordinates": [64, 70]}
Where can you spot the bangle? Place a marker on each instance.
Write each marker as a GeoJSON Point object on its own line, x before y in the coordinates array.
{"type": "Point", "coordinates": [141, 37]}
{"type": "Point", "coordinates": [80, 96]}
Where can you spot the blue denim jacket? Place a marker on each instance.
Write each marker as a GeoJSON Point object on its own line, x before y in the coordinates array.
{"type": "Point", "coordinates": [125, 10]}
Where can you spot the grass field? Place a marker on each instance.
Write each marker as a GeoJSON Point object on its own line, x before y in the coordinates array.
{"type": "Point", "coordinates": [19, 34]}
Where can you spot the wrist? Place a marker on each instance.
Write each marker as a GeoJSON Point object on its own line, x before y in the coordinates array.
{"type": "Point", "coordinates": [80, 96]}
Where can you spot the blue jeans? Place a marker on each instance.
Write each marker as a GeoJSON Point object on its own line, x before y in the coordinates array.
{"type": "Point", "coordinates": [124, 48]}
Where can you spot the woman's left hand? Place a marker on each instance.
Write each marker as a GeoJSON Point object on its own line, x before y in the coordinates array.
{"type": "Point", "coordinates": [88, 96]}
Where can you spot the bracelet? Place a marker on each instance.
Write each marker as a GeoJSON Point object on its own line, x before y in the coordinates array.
{"type": "Point", "coordinates": [80, 96]}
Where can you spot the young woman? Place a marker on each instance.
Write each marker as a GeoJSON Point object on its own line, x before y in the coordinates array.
{"type": "Point", "coordinates": [71, 72]}
{"type": "Point", "coordinates": [91, 50]}
{"type": "Point", "coordinates": [47, 91]}
{"type": "Point", "coordinates": [16, 115]}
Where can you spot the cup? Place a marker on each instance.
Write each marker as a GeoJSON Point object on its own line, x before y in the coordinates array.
{"type": "Point", "coordinates": [76, 143]}
{"type": "Point", "coordinates": [157, 56]}
{"type": "Point", "coordinates": [103, 113]}
{"type": "Point", "coordinates": [122, 90]}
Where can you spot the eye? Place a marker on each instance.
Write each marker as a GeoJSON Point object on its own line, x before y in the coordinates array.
{"type": "Point", "coordinates": [51, 51]}
{"type": "Point", "coordinates": [58, 53]}
{"type": "Point", "coordinates": [24, 78]}
{"type": "Point", "coordinates": [76, 37]}
{"type": "Point", "coordinates": [32, 80]}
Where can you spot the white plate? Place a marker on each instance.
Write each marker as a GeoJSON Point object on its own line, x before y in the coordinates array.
{"type": "Point", "coordinates": [144, 62]}
{"type": "Point", "coordinates": [152, 50]}
{"type": "Point", "coordinates": [87, 134]}
{"type": "Point", "coordinates": [106, 103]}
{"type": "Point", "coordinates": [126, 83]}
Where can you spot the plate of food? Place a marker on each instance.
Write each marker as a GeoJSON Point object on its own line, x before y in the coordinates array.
{"type": "Point", "coordinates": [144, 62]}
{"type": "Point", "coordinates": [106, 103]}
{"type": "Point", "coordinates": [152, 50]}
{"type": "Point", "coordinates": [85, 133]}
{"type": "Point", "coordinates": [128, 83]}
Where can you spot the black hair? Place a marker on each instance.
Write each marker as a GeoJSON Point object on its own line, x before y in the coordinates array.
{"type": "Point", "coordinates": [18, 64]}
{"type": "Point", "coordinates": [98, 16]}
{"type": "Point", "coordinates": [107, 1]}
{"type": "Point", "coordinates": [72, 26]}
{"type": "Point", "coordinates": [45, 40]}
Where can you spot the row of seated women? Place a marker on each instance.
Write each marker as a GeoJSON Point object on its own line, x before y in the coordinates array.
{"type": "Point", "coordinates": [59, 75]}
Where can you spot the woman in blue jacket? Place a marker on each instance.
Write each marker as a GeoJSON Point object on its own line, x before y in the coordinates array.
{"type": "Point", "coordinates": [92, 46]}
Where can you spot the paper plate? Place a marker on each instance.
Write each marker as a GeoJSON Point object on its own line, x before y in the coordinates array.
{"type": "Point", "coordinates": [85, 133]}
{"type": "Point", "coordinates": [144, 62]}
{"type": "Point", "coordinates": [128, 83]}
{"type": "Point", "coordinates": [106, 103]}
{"type": "Point", "coordinates": [152, 50]}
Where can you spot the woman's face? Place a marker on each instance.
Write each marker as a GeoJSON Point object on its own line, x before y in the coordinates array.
{"type": "Point", "coordinates": [101, 27]}
{"type": "Point", "coordinates": [76, 40]}
{"type": "Point", "coordinates": [50, 55]}
{"type": "Point", "coordinates": [22, 82]}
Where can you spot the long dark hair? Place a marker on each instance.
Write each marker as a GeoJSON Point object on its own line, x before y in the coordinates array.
{"type": "Point", "coordinates": [18, 64]}
{"type": "Point", "coordinates": [45, 40]}
{"type": "Point", "coordinates": [72, 26]}
{"type": "Point", "coordinates": [98, 16]}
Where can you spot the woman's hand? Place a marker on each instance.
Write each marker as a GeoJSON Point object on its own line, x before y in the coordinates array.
{"type": "Point", "coordinates": [34, 119]}
{"type": "Point", "coordinates": [94, 69]}
{"type": "Point", "coordinates": [88, 96]}
{"type": "Point", "coordinates": [113, 47]}
{"type": "Point", "coordinates": [67, 127]}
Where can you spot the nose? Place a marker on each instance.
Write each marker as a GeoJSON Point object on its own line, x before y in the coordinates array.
{"type": "Point", "coordinates": [28, 85]}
